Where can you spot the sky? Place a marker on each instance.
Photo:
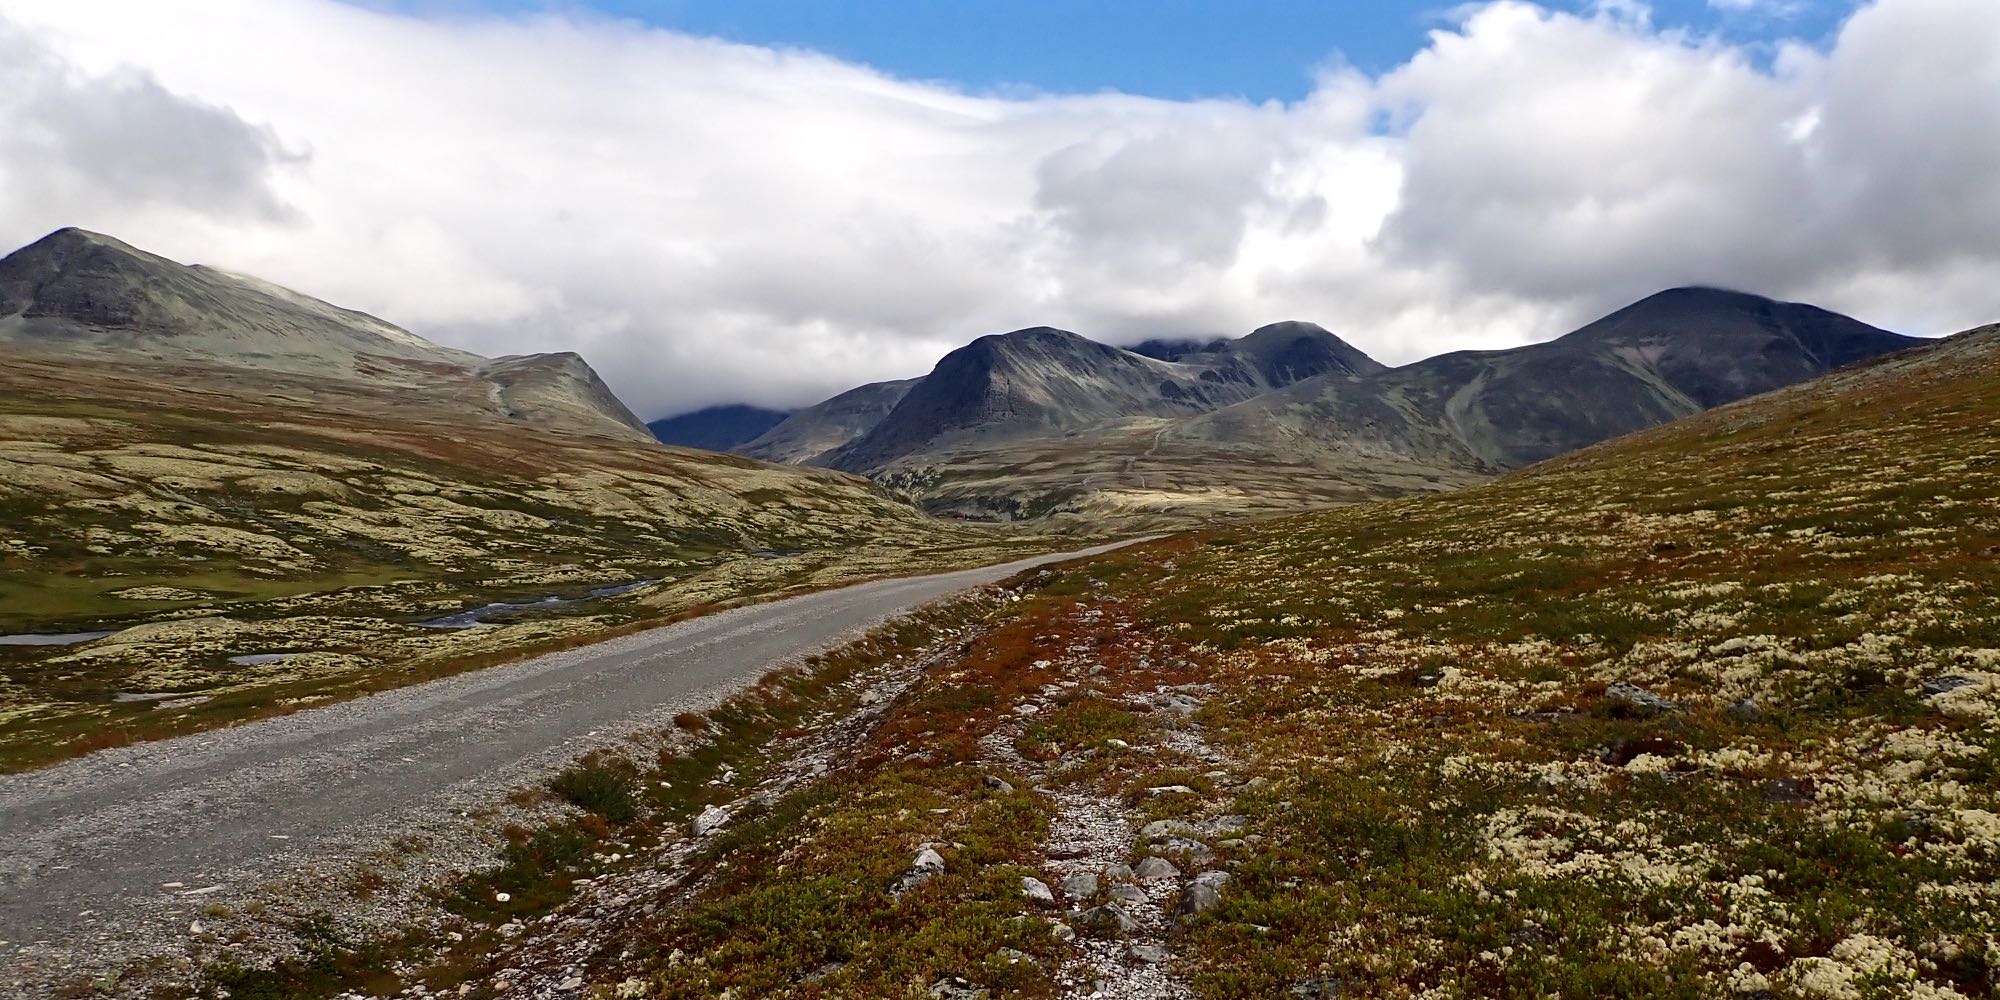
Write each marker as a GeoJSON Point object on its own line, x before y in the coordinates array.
{"type": "Point", "coordinates": [771, 201]}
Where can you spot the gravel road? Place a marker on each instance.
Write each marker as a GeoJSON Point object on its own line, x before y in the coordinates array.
{"type": "Point", "coordinates": [123, 831]}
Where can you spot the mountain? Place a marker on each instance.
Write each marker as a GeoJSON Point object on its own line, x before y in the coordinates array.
{"type": "Point", "coordinates": [808, 434]}
{"type": "Point", "coordinates": [717, 428]}
{"type": "Point", "coordinates": [83, 295]}
{"type": "Point", "coordinates": [1043, 421]}
{"type": "Point", "coordinates": [1662, 358]}
{"type": "Point", "coordinates": [554, 390]}
{"type": "Point", "coordinates": [1042, 381]}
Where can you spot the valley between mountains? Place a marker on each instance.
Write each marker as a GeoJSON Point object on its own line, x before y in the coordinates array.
{"type": "Point", "coordinates": [1661, 658]}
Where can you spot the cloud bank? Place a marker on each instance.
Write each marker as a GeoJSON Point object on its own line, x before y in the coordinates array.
{"type": "Point", "coordinates": [712, 222]}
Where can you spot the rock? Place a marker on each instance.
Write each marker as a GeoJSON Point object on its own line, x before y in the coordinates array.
{"type": "Point", "coordinates": [822, 972]}
{"type": "Point", "coordinates": [999, 785]}
{"type": "Point", "coordinates": [711, 819]}
{"type": "Point", "coordinates": [928, 865]}
{"type": "Point", "coordinates": [1215, 879]}
{"type": "Point", "coordinates": [1635, 697]}
{"type": "Point", "coordinates": [1168, 828]}
{"type": "Point", "coordinates": [1062, 932]}
{"type": "Point", "coordinates": [1128, 895]}
{"type": "Point", "coordinates": [1624, 750]}
{"type": "Point", "coordinates": [1318, 989]}
{"type": "Point", "coordinates": [1945, 683]}
{"type": "Point", "coordinates": [1014, 956]}
{"type": "Point", "coordinates": [1530, 937]}
{"type": "Point", "coordinates": [572, 983]}
{"type": "Point", "coordinates": [1227, 824]}
{"type": "Point", "coordinates": [1170, 790]}
{"type": "Point", "coordinates": [1193, 850]}
{"type": "Point", "coordinates": [1037, 890]}
{"type": "Point", "coordinates": [1150, 953]}
{"type": "Point", "coordinates": [1156, 869]}
{"type": "Point", "coordinates": [1118, 873]}
{"type": "Point", "coordinates": [1110, 920]}
{"type": "Point", "coordinates": [1746, 710]}
{"type": "Point", "coordinates": [1026, 709]}
{"type": "Point", "coordinates": [1199, 898]}
{"type": "Point", "coordinates": [958, 988]}
{"type": "Point", "coordinates": [1080, 886]}
{"type": "Point", "coordinates": [1793, 790]}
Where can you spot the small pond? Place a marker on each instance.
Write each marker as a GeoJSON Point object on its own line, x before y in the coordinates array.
{"type": "Point", "coordinates": [50, 639]}
{"type": "Point", "coordinates": [477, 616]}
{"type": "Point", "coordinates": [259, 659]}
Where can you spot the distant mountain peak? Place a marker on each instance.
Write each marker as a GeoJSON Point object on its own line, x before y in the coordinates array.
{"type": "Point", "coordinates": [85, 295]}
{"type": "Point", "coordinates": [70, 237]}
{"type": "Point", "coordinates": [1042, 381]}
{"type": "Point", "coordinates": [717, 428]}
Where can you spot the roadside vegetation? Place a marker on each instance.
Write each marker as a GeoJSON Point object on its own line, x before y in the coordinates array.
{"type": "Point", "coordinates": [607, 815]}
{"type": "Point", "coordinates": [306, 529]}
{"type": "Point", "coordinates": [1705, 712]}
{"type": "Point", "coordinates": [1710, 711]}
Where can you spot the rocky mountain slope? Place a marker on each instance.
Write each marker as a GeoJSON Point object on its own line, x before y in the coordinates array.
{"type": "Point", "coordinates": [1040, 421]}
{"type": "Point", "coordinates": [1657, 360]}
{"type": "Point", "coordinates": [717, 428]}
{"type": "Point", "coordinates": [1042, 382]}
{"type": "Point", "coordinates": [83, 295]}
{"type": "Point", "coordinates": [809, 433]}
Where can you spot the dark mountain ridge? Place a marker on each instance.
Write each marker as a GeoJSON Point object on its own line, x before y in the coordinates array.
{"type": "Point", "coordinates": [1043, 381]}
{"type": "Point", "coordinates": [717, 428]}
{"type": "Point", "coordinates": [1042, 420]}
{"type": "Point", "coordinates": [808, 434]}
{"type": "Point", "coordinates": [1664, 357]}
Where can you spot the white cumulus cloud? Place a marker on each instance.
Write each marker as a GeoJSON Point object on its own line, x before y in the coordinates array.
{"type": "Point", "coordinates": [710, 222]}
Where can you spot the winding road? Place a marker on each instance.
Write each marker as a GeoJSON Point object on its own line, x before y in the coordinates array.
{"type": "Point", "coordinates": [136, 828]}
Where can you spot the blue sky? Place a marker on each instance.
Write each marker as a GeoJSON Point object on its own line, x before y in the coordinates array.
{"type": "Point", "coordinates": [1175, 49]}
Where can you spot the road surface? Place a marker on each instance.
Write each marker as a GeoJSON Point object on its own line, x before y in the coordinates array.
{"type": "Point", "coordinates": [81, 841]}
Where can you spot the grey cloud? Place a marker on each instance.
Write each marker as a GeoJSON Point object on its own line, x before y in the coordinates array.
{"type": "Point", "coordinates": [122, 141]}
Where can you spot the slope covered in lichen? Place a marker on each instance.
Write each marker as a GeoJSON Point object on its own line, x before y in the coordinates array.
{"type": "Point", "coordinates": [1707, 711]}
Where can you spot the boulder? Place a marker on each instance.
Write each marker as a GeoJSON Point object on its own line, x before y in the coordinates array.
{"type": "Point", "coordinates": [711, 819]}
{"type": "Point", "coordinates": [1109, 920]}
{"type": "Point", "coordinates": [1639, 699]}
{"type": "Point", "coordinates": [1037, 890]}
{"type": "Point", "coordinates": [1080, 886]}
{"type": "Point", "coordinates": [928, 865]}
{"type": "Point", "coordinates": [1199, 898]}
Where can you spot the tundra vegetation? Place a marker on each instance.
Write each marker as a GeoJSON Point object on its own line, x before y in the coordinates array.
{"type": "Point", "coordinates": [206, 515]}
{"type": "Point", "coordinates": [1708, 711]}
